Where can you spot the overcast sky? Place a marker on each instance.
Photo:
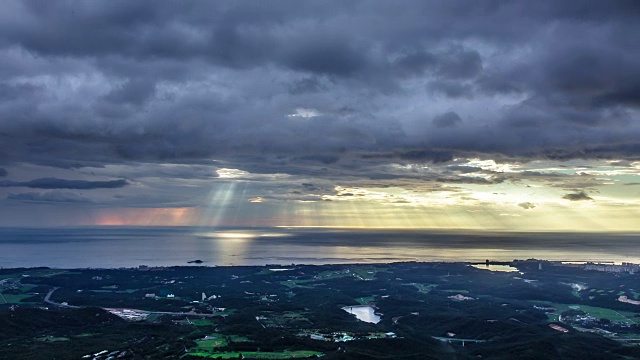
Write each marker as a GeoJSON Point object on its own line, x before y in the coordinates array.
{"type": "Point", "coordinates": [519, 115]}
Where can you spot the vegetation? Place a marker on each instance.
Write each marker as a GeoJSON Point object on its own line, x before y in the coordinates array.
{"type": "Point", "coordinates": [297, 354]}
{"type": "Point", "coordinates": [253, 312]}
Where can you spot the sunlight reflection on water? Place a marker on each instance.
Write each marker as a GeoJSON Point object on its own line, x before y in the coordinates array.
{"type": "Point", "coordinates": [113, 247]}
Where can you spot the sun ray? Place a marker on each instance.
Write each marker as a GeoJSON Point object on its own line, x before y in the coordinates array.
{"type": "Point", "coordinates": [218, 201]}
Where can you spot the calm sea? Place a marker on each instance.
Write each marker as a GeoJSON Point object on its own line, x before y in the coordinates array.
{"type": "Point", "coordinates": [113, 247]}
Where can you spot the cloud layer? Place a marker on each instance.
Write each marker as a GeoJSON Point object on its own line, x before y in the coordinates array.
{"type": "Point", "coordinates": [353, 93]}
{"type": "Point", "coordinates": [53, 183]}
{"type": "Point", "coordinates": [117, 81]}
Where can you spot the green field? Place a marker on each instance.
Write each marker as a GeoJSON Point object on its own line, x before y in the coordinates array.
{"type": "Point", "coordinates": [613, 315]}
{"type": "Point", "coordinates": [364, 273]}
{"type": "Point", "coordinates": [423, 288]}
{"type": "Point", "coordinates": [207, 348]}
{"type": "Point", "coordinates": [53, 338]}
{"type": "Point", "coordinates": [26, 288]}
{"type": "Point", "coordinates": [210, 344]}
{"type": "Point", "coordinates": [202, 322]}
{"type": "Point", "coordinates": [332, 275]}
{"type": "Point", "coordinates": [35, 273]}
{"type": "Point", "coordinates": [286, 318]}
{"type": "Point", "coordinates": [108, 289]}
{"type": "Point", "coordinates": [365, 300]}
{"type": "Point", "coordinates": [194, 322]}
{"type": "Point", "coordinates": [456, 291]}
{"type": "Point", "coordinates": [295, 283]}
{"type": "Point", "coordinates": [259, 355]}
{"type": "Point", "coordinates": [238, 338]}
{"type": "Point", "coordinates": [12, 299]}
{"type": "Point", "coordinates": [216, 341]}
{"type": "Point", "coordinates": [367, 273]}
{"type": "Point", "coordinates": [597, 312]}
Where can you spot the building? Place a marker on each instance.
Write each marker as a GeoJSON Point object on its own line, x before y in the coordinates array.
{"type": "Point", "coordinates": [623, 268]}
{"type": "Point", "coordinates": [558, 328]}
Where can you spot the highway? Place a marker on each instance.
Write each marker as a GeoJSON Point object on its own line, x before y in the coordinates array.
{"type": "Point", "coordinates": [48, 300]}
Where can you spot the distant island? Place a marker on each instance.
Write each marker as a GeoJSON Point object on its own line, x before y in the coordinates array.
{"type": "Point", "coordinates": [195, 262]}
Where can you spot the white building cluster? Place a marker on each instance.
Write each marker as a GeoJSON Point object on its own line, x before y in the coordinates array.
{"type": "Point", "coordinates": [622, 268]}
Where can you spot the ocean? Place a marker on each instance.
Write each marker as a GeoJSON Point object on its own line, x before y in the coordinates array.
{"type": "Point", "coordinates": [116, 247]}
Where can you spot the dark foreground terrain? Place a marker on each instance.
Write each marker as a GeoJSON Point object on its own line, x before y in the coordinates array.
{"type": "Point", "coordinates": [542, 310]}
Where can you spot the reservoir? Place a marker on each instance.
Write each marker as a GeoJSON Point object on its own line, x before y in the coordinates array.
{"type": "Point", "coordinates": [364, 313]}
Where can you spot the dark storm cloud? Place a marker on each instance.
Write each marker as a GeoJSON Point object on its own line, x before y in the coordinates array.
{"type": "Point", "coordinates": [325, 159]}
{"type": "Point", "coordinates": [527, 205]}
{"type": "Point", "coordinates": [48, 197]}
{"type": "Point", "coordinates": [327, 56]}
{"type": "Point", "coordinates": [134, 91]}
{"type": "Point", "coordinates": [434, 156]}
{"type": "Point", "coordinates": [464, 169]}
{"type": "Point", "coordinates": [53, 183]}
{"type": "Point", "coordinates": [448, 119]}
{"type": "Point", "coordinates": [577, 196]}
{"type": "Point", "coordinates": [312, 89]}
{"type": "Point", "coordinates": [3, 172]}
{"type": "Point", "coordinates": [460, 63]}
{"type": "Point", "coordinates": [451, 89]}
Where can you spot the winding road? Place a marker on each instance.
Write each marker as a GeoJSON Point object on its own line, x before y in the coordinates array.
{"type": "Point", "coordinates": [48, 300]}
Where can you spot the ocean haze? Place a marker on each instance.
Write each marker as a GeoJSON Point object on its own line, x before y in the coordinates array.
{"type": "Point", "coordinates": [113, 247]}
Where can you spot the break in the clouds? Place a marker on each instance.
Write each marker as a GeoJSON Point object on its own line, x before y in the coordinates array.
{"type": "Point", "coordinates": [189, 98]}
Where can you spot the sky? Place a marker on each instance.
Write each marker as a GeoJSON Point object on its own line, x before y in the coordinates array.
{"type": "Point", "coordinates": [485, 115]}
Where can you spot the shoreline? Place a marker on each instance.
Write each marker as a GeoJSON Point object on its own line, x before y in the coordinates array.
{"type": "Point", "coordinates": [292, 266]}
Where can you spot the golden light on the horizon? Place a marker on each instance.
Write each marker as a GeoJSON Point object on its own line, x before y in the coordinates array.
{"type": "Point", "coordinates": [471, 209]}
{"type": "Point", "coordinates": [544, 201]}
{"type": "Point", "coordinates": [234, 235]}
{"type": "Point", "coordinates": [183, 216]}
{"type": "Point", "coordinates": [376, 208]}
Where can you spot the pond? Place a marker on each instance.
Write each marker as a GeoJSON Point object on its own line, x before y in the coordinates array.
{"type": "Point", "coordinates": [364, 313]}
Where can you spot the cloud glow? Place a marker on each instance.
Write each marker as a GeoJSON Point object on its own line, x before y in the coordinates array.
{"type": "Point", "coordinates": [419, 115]}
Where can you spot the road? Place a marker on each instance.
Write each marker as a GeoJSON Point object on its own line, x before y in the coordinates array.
{"type": "Point", "coordinates": [164, 312]}
{"type": "Point", "coordinates": [48, 300]}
